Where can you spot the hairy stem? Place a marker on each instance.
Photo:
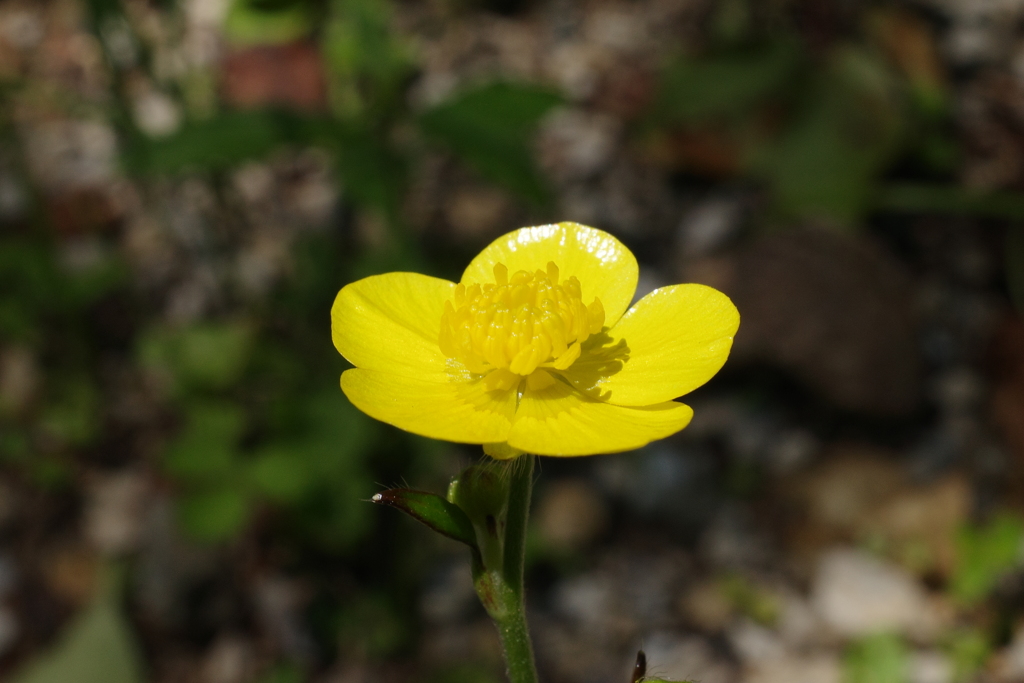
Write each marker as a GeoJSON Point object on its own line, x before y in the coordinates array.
{"type": "Point", "coordinates": [501, 588]}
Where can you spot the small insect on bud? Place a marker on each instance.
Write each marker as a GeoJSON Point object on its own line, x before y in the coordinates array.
{"type": "Point", "coordinates": [640, 668]}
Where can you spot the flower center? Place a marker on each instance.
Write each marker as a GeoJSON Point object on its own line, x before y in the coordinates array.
{"type": "Point", "coordinates": [509, 329]}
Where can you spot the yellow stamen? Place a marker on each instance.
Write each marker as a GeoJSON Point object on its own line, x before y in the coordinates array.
{"type": "Point", "coordinates": [509, 329]}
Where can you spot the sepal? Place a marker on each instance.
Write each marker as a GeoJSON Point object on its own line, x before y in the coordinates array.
{"type": "Point", "coordinates": [433, 510]}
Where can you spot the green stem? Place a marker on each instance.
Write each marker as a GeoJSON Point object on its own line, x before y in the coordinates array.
{"type": "Point", "coordinates": [501, 589]}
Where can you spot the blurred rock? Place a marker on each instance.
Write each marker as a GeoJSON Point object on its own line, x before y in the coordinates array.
{"type": "Point", "coordinates": [575, 144]}
{"type": "Point", "coordinates": [14, 199]}
{"type": "Point", "coordinates": [70, 155]}
{"type": "Point", "coordinates": [628, 590]}
{"type": "Point", "coordinates": [570, 515]}
{"type": "Point", "coordinates": [980, 32]}
{"type": "Point", "coordinates": [754, 643]}
{"type": "Point", "coordinates": [637, 200]}
{"type": "Point", "coordinates": [616, 27]}
{"type": "Point", "coordinates": [19, 379]}
{"type": "Point", "coordinates": [709, 226]}
{"type": "Point", "coordinates": [798, 624]}
{"type": "Point", "coordinates": [925, 517]}
{"type": "Point", "coordinates": [857, 594]}
{"type": "Point", "coordinates": [577, 657]}
{"type": "Point", "coordinates": [449, 594]}
{"type": "Point", "coordinates": [21, 26]}
{"type": "Point", "coordinates": [823, 668]}
{"type": "Point", "coordinates": [858, 493]}
{"type": "Point", "coordinates": [167, 567]}
{"type": "Point", "coordinates": [957, 389]}
{"type": "Point", "coordinates": [259, 264]}
{"type": "Point", "coordinates": [115, 510]}
{"type": "Point", "coordinates": [791, 450]}
{"type": "Point", "coordinates": [70, 572]}
{"type": "Point", "coordinates": [477, 213]}
{"type": "Point", "coordinates": [9, 630]}
{"type": "Point", "coordinates": [229, 660]}
{"type": "Point", "coordinates": [706, 607]}
{"type": "Point", "coordinates": [686, 658]}
{"type": "Point", "coordinates": [732, 540]}
{"type": "Point", "coordinates": [626, 89]}
{"type": "Point", "coordinates": [833, 309]}
{"type": "Point", "coordinates": [149, 250]}
{"type": "Point", "coordinates": [663, 482]}
{"type": "Point", "coordinates": [590, 601]}
{"type": "Point", "coordinates": [931, 666]}
{"type": "Point", "coordinates": [156, 114]}
{"type": "Point", "coordinates": [280, 602]}
{"type": "Point", "coordinates": [457, 643]}
{"type": "Point", "coordinates": [254, 181]}
{"type": "Point", "coordinates": [576, 67]}
{"type": "Point", "coordinates": [1009, 665]}
{"type": "Point", "coordinates": [286, 75]}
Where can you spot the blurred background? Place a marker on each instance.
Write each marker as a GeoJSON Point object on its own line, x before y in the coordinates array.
{"type": "Point", "coordinates": [185, 185]}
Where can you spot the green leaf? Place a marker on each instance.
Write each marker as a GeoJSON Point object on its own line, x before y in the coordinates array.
{"type": "Point", "coordinates": [433, 510]}
{"type": "Point", "coordinates": [969, 648]}
{"type": "Point", "coordinates": [949, 199]}
{"type": "Point", "coordinates": [210, 356]}
{"type": "Point", "coordinates": [367, 60]}
{"type": "Point", "coordinates": [213, 515]}
{"type": "Point", "coordinates": [320, 471]}
{"type": "Point", "coordinates": [879, 658]}
{"type": "Point", "coordinates": [284, 673]}
{"type": "Point", "coordinates": [73, 415]}
{"type": "Point", "coordinates": [490, 127]}
{"type": "Point", "coordinates": [214, 144]}
{"type": "Point", "coordinates": [97, 647]}
{"type": "Point", "coordinates": [750, 599]}
{"type": "Point", "coordinates": [827, 162]}
{"type": "Point", "coordinates": [695, 90]}
{"type": "Point", "coordinates": [371, 173]}
{"type": "Point", "coordinates": [984, 556]}
{"type": "Point", "coordinates": [214, 356]}
{"type": "Point", "coordinates": [206, 449]}
{"type": "Point", "coordinates": [278, 474]}
{"type": "Point", "coordinates": [253, 23]}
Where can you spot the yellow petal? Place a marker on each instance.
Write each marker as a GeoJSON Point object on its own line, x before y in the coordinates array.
{"type": "Point", "coordinates": [671, 342]}
{"type": "Point", "coordinates": [604, 266]}
{"type": "Point", "coordinates": [457, 408]}
{"type": "Point", "coordinates": [391, 322]}
{"type": "Point", "coordinates": [558, 420]}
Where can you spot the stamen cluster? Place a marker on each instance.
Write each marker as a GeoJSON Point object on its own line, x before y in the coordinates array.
{"type": "Point", "coordinates": [518, 324]}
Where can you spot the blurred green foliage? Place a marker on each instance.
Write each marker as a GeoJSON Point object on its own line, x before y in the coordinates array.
{"type": "Point", "coordinates": [97, 647]}
{"type": "Point", "coordinates": [283, 673]}
{"type": "Point", "coordinates": [45, 311]}
{"type": "Point", "coordinates": [820, 126]}
{"type": "Point", "coordinates": [490, 127]}
{"type": "Point", "coordinates": [259, 22]}
{"type": "Point", "coordinates": [985, 555]}
{"type": "Point", "coordinates": [749, 599]}
{"type": "Point", "coordinates": [968, 649]}
{"type": "Point", "coordinates": [881, 658]}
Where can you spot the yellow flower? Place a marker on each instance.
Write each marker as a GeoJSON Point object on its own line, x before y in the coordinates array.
{"type": "Point", "coordinates": [534, 350]}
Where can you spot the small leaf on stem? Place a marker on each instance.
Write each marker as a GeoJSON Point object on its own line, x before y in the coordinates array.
{"type": "Point", "coordinates": [433, 510]}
